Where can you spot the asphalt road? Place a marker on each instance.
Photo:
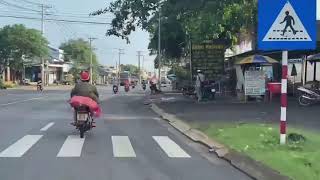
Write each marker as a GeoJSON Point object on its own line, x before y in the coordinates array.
{"type": "Point", "coordinates": [129, 142]}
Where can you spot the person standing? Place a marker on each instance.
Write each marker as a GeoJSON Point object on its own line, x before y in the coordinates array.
{"type": "Point", "coordinates": [199, 84]}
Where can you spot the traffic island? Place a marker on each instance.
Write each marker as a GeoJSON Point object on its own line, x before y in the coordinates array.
{"type": "Point", "coordinates": [254, 148]}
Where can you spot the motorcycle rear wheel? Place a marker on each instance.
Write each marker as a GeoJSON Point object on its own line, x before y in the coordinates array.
{"type": "Point", "coordinates": [82, 130]}
{"type": "Point", "coordinates": [304, 101]}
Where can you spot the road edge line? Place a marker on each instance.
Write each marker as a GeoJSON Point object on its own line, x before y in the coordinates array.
{"type": "Point", "coordinates": [245, 164]}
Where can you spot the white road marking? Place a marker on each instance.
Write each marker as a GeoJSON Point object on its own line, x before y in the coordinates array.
{"type": "Point", "coordinates": [26, 100]}
{"type": "Point", "coordinates": [72, 147]}
{"type": "Point", "coordinates": [45, 128]}
{"type": "Point", "coordinates": [122, 147]}
{"type": "Point", "coordinates": [172, 149]}
{"type": "Point", "coordinates": [20, 147]}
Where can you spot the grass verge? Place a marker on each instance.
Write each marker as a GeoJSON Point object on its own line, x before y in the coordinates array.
{"type": "Point", "coordinates": [298, 160]}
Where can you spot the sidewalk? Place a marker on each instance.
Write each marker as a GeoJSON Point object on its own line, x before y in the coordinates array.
{"type": "Point", "coordinates": [226, 110]}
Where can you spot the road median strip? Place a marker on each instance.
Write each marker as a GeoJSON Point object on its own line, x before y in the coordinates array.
{"type": "Point", "coordinates": [244, 163]}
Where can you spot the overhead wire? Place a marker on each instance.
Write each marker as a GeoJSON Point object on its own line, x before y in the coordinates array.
{"type": "Point", "coordinates": [59, 20]}
{"type": "Point", "coordinates": [17, 6]}
{"type": "Point", "coordinates": [30, 2]}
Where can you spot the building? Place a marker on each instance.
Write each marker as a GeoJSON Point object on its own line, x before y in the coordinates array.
{"type": "Point", "coordinates": [55, 68]}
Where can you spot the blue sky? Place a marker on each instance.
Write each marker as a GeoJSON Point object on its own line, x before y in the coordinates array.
{"type": "Point", "coordinates": [61, 32]}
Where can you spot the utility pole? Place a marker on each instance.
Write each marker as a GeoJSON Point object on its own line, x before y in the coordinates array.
{"type": "Point", "coordinates": [159, 49]}
{"type": "Point", "coordinates": [119, 64]}
{"type": "Point", "coordinates": [139, 65]}
{"type": "Point", "coordinates": [91, 59]}
{"type": "Point", "coordinates": [43, 8]}
{"type": "Point", "coordinates": [142, 62]}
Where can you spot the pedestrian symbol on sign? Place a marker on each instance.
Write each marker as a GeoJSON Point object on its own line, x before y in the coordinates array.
{"type": "Point", "coordinates": [289, 20]}
{"type": "Point", "coordinates": [287, 27]}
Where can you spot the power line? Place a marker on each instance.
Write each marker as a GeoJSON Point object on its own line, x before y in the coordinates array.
{"type": "Point", "coordinates": [58, 20]}
{"type": "Point", "coordinates": [34, 3]}
{"type": "Point", "coordinates": [23, 4]}
{"type": "Point", "coordinates": [55, 14]}
{"type": "Point", "coordinates": [17, 6]}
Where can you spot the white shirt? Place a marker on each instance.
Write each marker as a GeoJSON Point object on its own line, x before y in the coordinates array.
{"type": "Point", "coordinates": [200, 78]}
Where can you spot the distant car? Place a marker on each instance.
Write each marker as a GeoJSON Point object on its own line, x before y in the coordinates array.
{"type": "Point", "coordinates": [124, 76]}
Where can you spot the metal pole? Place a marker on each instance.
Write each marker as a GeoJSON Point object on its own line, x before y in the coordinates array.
{"type": "Point", "coordinates": [139, 66]}
{"type": "Point", "coordinates": [91, 60]}
{"type": "Point", "coordinates": [191, 76]}
{"type": "Point", "coordinates": [119, 64]}
{"type": "Point", "coordinates": [91, 82]}
{"type": "Point", "coordinates": [42, 59]}
{"type": "Point", "coordinates": [284, 100]}
{"type": "Point", "coordinates": [159, 50]}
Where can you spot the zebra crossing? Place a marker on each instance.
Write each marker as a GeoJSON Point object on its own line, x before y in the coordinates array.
{"type": "Point", "coordinates": [73, 145]}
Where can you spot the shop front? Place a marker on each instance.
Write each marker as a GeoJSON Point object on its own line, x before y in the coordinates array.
{"type": "Point", "coordinates": [253, 75]}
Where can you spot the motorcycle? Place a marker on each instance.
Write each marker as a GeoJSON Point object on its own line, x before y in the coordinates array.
{"type": "Point", "coordinates": [308, 96]}
{"type": "Point", "coordinates": [115, 89]}
{"type": "Point", "coordinates": [188, 91]}
{"type": "Point", "coordinates": [126, 88]}
{"type": "Point", "coordinates": [209, 91]}
{"type": "Point", "coordinates": [144, 87]}
{"type": "Point", "coordinates": [39, 86]}
{"type": "Point", "coordinates": [84, 121]}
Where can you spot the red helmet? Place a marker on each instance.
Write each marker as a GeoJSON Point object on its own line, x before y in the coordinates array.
{"type": "Point", "coordinates": [85, 76]}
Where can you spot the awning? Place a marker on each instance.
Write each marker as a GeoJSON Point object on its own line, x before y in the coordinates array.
{"type": "Point", "coordinates": [257, 59]}
{"type": "Point", "coordinates": [315, 57]}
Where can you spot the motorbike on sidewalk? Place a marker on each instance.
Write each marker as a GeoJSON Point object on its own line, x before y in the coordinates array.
{"type": "Point", "coordinates": [84, 120]}
{"type": "Point", "coordinates": [144, 87]}
{"type": "Point", "coordinates": [308, 96]}
{"type": "Point", "coordinates": [115, 89]}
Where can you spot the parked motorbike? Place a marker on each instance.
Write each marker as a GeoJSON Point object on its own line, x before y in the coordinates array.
{"type": "Point", "coordinates": [188, 91]}
{"type": "Point", "coordinates": [308, 96]}
{"type": "Point", "coordinates": [84, 121]}
{"type": "Point", "coordinates": [144, 87]}
{"type": "Point", "coordinates": [115, 89]}
{"type": "Point", "coordinates": [209, 91]}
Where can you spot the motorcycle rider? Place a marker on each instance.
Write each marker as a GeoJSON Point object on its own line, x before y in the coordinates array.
{"type": "Point", "coordinates": [144, 84]}
{"type": "Point", "coordinates": [85, 89]}
{"type": "Point", "coordinates": [115, 86]}
{"type": "Point", "coordinates": [39, 85]}
{"type": "Point", "coordinates": [199, 85]}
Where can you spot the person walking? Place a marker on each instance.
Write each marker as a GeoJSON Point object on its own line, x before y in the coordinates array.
{"type": "Point", "coordinates": [199, 85]}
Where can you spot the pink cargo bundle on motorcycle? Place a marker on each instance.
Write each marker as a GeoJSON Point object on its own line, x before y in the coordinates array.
{"type": "Point", "coordinates": [77, 101]}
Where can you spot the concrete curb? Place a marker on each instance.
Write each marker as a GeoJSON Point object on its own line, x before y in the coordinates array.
{"type": "Point", "coordinates": [245, 164]}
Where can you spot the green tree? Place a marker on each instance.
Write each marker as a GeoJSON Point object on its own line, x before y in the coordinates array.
{"type": "Point", "coordinates": [78, 52]}
{"type": "Point", "coordinates": [19, 44]}
{"type": "Point", "coordinates": [134, 70]}
{"type": "Point", "coordinates": [201, 20]}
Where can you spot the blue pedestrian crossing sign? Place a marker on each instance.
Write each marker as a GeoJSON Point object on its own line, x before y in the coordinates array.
{"type": "Point", "coordinates": [287, 24]}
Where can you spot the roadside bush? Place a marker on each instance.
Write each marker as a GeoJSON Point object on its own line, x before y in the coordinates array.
{"type": "Point", "coordinates": [1, 84]}
{"type": "Point", "coordinates": [9, 84]}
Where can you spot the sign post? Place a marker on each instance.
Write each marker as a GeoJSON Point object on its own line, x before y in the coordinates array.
{"type": "Point", "coordinates": [286, 25]}
{"type": "Point", "coordinates": [284, 99]}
